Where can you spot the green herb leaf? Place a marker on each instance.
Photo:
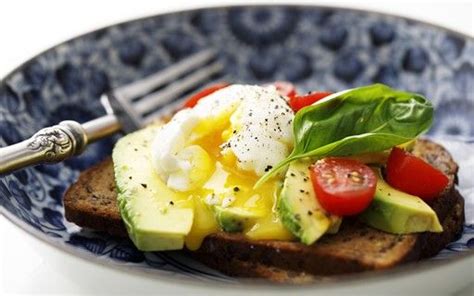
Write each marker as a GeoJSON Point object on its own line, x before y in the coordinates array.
{"type": "Point", "coordinates": [367, 119]}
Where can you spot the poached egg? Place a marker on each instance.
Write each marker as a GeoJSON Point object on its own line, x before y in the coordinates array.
{"type": "Point", "coordinates": [246, 129]}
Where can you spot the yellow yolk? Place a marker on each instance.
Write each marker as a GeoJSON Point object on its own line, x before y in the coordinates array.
{"type": "Point", "coordinates": [214, 154]}
{"type": "Point", "coordinates": [204, 224]}
{"type": "Point", "coordinates": [261, 201]}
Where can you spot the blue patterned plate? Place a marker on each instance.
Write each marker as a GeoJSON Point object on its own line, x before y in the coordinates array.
{"type": "Point", "coordinates": [316, 48]}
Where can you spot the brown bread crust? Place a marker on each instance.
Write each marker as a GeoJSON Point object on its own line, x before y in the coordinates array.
{"type": "Point", "coordinates": [91, 203]}
{"type": "Point", "coordinates": [280, 268]}
{"type": "Point", "coordinates": [355, 248]}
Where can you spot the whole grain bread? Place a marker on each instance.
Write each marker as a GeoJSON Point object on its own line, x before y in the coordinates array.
{"type": "Point", "coordinates": [91, 203]}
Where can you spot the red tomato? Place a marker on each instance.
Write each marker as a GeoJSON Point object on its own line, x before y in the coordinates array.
{"type": "Point", "coordinates": [299, 102]}
{"type": "Point", "coordinates": [413, 175]}
{"type": "Point", "coordinates": [192, 101]}
{"type": "Point", "coordinates": [343, 186]}
{"type": "Point", "coordinates": [285, 88]}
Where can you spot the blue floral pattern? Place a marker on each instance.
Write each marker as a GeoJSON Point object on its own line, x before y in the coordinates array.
{"type": "Point", "coordinates": [316, 48]}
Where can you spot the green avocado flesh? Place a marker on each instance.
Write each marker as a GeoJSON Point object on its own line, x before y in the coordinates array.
{"type": "Point", "coordinates": [233, 219]}
{"type": "Point", "coordinates": [299, 209]}
{"type": "Point", "coordinates": [156, 218]}
{"type": "Point", "coordinates": [397, 212]}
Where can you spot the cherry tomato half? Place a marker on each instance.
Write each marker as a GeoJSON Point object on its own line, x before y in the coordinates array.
{"type": "Point", "coordinates": [413, 175]}
{"type": "Point", "coordinates": [192, 101]}
{"type": "Point", "coordinates": [299, 102]}
{"type": "Point", "coordinates": [285, 88]}
{"type": "Point", "coordinates": [343, 186]}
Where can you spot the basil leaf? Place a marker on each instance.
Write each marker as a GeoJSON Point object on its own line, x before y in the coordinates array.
{"type": "Point", "coordinates": [367, 119]}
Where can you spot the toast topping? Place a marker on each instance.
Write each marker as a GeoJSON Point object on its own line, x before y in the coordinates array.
{"type": "Point", "coordinates": [216, 167]}
{"type": "Point", "coordinates": [398, 212]}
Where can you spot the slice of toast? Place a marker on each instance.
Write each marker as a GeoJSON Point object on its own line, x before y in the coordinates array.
{"type": "Point", "coordinates": [91, 203]}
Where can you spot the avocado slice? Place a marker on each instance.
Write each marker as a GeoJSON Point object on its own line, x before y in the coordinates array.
{"type": "Point", "coordinates": [299, 210]}
{"type": "Point", "coordinates": [398, 212]}
{"type": "Point", "coordinates": [235, 219]}
{"type": "Point", "coordinates": [156, 217]}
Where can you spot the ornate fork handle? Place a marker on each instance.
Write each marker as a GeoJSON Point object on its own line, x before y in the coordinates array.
{"type": "Point", "coordinates": [56, 143]}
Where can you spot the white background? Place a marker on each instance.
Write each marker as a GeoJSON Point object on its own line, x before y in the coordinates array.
{"type": "Point", "coordinates": [29, 27]}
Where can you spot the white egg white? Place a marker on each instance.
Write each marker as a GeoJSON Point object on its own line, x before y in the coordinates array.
{"type": "Point", "coordinates": [261, 123]}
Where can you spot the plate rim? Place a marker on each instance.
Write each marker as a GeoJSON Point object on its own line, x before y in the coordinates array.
{"type": "Point", "coordinates": [217, 7]}
{"type": "Point", "coordinates": [404, 270]}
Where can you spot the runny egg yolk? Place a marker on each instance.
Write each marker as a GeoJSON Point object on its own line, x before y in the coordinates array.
{"type": "Point", "coordinates": [215, 152]}
{"type": "Point", "coordinates": [238, 189]}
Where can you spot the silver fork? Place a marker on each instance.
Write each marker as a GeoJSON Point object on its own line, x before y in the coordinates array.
{"type": "Point", "coordinates": [128, 108]}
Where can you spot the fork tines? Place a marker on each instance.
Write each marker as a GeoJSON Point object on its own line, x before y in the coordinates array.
{"type": "Point", "coordinates": [139, 102]}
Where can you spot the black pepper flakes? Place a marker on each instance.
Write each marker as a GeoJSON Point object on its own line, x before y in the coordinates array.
{"type": "Point", "coordinates": [269, 167]}
{"type": "Point", "coordinates": [171, 203]}
{"type": "Point", "coordinates": [310, 213]}
{"type": "Point", "coordinates": [301, 190]}
{"type": "Point", "coordinates": [144, 185]}
{"type": "Point", "coordinates": [236, 189]}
